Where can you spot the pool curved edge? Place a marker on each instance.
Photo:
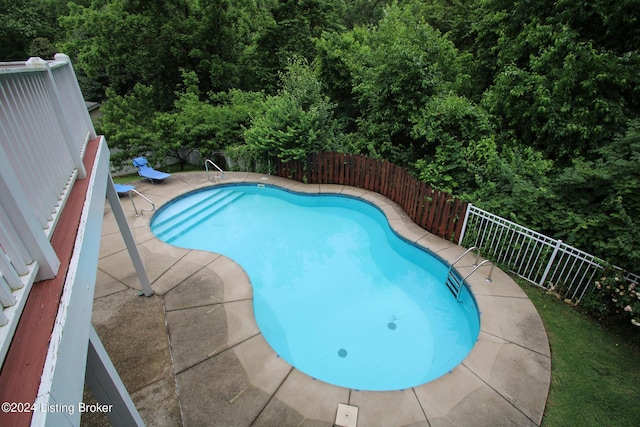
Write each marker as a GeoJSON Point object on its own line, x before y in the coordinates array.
{"type": "Point", "coordinates": [461, 338]}
{"type": "Point", "coordinates": [505, 377]}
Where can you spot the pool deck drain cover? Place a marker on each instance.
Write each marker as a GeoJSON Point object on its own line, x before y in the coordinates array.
{"type": "Point", "coordinates": [347, 415]}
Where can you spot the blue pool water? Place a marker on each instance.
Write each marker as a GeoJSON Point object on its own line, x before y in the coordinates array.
{"type": "Point", "coordinates": [336, 292]}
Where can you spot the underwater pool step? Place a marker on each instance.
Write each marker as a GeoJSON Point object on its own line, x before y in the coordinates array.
{"type": "Point", "coordinates": [454, 283]}
{"type": "Point", "coordinates": [184, 217]}
{"type": "Point", "coordinates": [196, 218]}
{"type": "Point", "coordinates": [206, 207]}
{"type": "Point", "coordinates": [176, 217]}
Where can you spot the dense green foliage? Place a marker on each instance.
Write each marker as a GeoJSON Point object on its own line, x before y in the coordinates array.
{"type": "Point", "coordinates": [614, 302]}
{"type": "Point", "coordinates": [528, 109]}
{"type": "Point", "coordinates": [296, 121]}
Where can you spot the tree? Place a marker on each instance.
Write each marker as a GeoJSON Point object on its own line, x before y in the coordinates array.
{"type": "Point", "coordinates": [41, 47]}
{"type": "Point", "coordinates": [127, 123]}
{"type": "Point", "coordinates": [297, 121]}
{"type": "Point", "coordinates": [464, 140]}
{"type": "Point", "coordinates": [552, 78]}
{"type": "Point", "coordinates": [600, 201]}
{"type": "Point", "coordinates": [395, 68]}
{"type": "Point", "coordinates": [26, 24]}
{"type": "Point", "coordinates": [514, 182]}
{"type": "Point", "coordinates": [452, 18]}
{"type": "Point", "coordinates": [364, 12]}
{"type": "Point", "coordinates": [219, 35]}
{"type": "Point", "coordinates": [204, 126]}
{"type": "Point", "coordinates": [122, 43]}
{"type": "Point", "coordinates": [134, 127]}
{"type": "Point", "coordinates": [567, 98]}
{"type": "Point", "coordinates": [335, 74]}
{"type": "Point", "coordinates": [295, 25]}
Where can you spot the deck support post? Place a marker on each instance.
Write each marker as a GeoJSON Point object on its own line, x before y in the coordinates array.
{"type": "Point", "coordinates": [121, 219]}
{"type": "Point", "coordinates": [107, 387]}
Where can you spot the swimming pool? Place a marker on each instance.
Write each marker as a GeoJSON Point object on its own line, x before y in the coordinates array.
{"type": "Point", "coordinates": [336, 292]}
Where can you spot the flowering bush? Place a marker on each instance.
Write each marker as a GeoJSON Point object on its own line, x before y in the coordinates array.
{"type": "Point", "coordinates": [614, 300]}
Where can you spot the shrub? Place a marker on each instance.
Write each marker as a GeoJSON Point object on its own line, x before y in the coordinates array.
{"type": "Point", "coordinates": [613, 300]}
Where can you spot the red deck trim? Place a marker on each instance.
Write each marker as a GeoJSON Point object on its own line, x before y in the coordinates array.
{"type": "Point", "coordinates": [23, 365]}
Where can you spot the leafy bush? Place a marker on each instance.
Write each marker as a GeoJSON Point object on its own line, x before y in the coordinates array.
{"type": "Point", "coordinates": [299, 120]}
{"type": "Point", "coordinates": [613, 300]}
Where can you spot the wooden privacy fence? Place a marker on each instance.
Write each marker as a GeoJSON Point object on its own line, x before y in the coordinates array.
{"type": "Point", "coordinates": [437, 212]}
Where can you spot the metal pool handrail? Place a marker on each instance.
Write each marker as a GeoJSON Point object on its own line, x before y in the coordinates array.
{"type": "Point", "coordinates": [472, 248]}
{"type": "Point", "coordinates": [141, 213]}
{"type": "Point", "coordinates": [206, 166]}
{"type": "Point", "coordinates": [455, 283]}
{"type": "Point", "coordinates": [486, 261]}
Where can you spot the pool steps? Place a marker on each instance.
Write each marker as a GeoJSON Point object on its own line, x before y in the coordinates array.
{"type": "Point", "coordinates": [179, 223]}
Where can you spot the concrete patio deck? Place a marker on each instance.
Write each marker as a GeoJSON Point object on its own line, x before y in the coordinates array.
{"type": "Point", "coordinates": [193, 355]}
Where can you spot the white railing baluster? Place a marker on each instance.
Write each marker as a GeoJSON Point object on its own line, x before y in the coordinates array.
{"type": "Point", "coordinates": [45, 152]}
{"type": "Point", "coordinates": [3, 319]}
{"type": "Point", "coordinates": [19, 153]}
{"type": "Point", "coordinates": [520, 237]}
{"type": "Point", "coordinates": [55, 148]}
{"type": "Point", "coordinates": [13, 246]}
{"type": "Point", "coordinates": [9, 273]}
{"type": "Point", "coordinates": [531, 246]}
{"type": "Point", "coordinates": [501, 237]}
{"type": "Point", "coordinates": [509, 252]}
{"type": "Point", "coordinates": [585, 268]}
{"type": "Point", "coordinates": [563, 276]}
{"type": "Point", "coordinates": [533, 259]}
{"type": "Point", "coordinates": [493, 227]}
{"type": "Point", "coordinates": [6, 297]}
{"type": "Point", "coordinates": [482, 234]}
{"type": "Point", "coordinates": [80, 123]}
{"type": "Point", "coordinates": [595, 271]}
{"type": "Point", "coordinates": [74, 96]}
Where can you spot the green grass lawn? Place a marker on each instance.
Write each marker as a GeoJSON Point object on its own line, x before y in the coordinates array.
{"type": "Point", "coordinates": [595, 378]}
{"type": "Point", "coordinates": [126, 179]}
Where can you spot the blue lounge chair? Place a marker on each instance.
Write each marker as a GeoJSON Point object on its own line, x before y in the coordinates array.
{"type": "Point", "coordinates": [146, 171]}
{"type": "Point", "coordinates": [122, 189]}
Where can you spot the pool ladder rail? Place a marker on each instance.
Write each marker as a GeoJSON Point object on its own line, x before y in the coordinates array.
{"type": "Point", "coordinates": [217, 175]}
{"type": "Point", "coordinates": [141, 212]}
{"type": "Point", "coordinates": [454, 281]}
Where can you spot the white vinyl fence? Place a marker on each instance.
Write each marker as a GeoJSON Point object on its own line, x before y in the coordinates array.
{"type": "Point", "coordinates": [539, 259]}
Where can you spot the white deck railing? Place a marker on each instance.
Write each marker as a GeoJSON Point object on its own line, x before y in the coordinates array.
{"type": "Point", "coordinates": [539, 259]}
{"type": "Point", "coordinates": [44, 129]}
